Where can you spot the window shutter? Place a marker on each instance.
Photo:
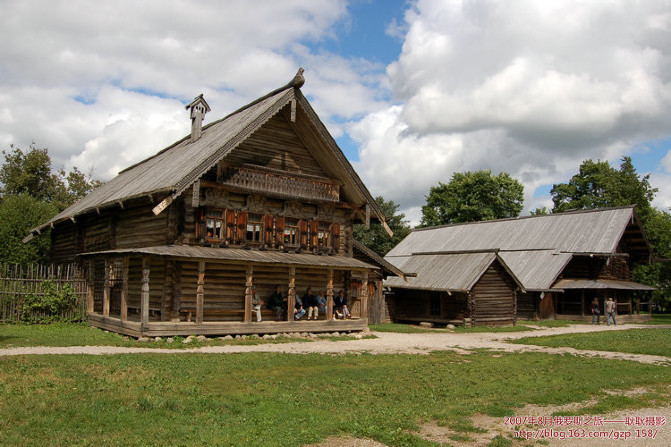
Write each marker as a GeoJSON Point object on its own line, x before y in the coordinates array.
{"type": "Point", "coordinates": [242, 226]}
{"type": "Point", "coordinates": [303, 228]}
{"type": "Point", "coordinates": [335, 236]}
{"type": "Point", "coordinates": [279, 230]}
{"type": "Point", "coordinates": [230, 225]}
{"type": "Point", "coordinates": [314, 232]}
{"type": "Point", "coordinates": [200, 222]}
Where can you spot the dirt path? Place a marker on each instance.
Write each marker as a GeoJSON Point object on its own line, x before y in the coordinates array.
{"type": "Point", "coordinates": [385, 343]}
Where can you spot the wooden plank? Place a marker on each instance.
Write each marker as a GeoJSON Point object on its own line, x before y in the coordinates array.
{"type": "Point", "coordinates": [364, 296]}
{"type": "Point", "coordinates": [107, 288]}
{"type": "Point", "coordinates": [200, 292]}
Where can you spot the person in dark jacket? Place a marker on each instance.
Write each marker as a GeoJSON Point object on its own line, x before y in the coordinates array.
{"type": "Point", "coordinates": [298, 307]}
{"type": "Point", "coordinates": [340, 306]}
{"type": "Point", "coordinates": [310, 301]}
{"type": "Point", "coordinates": [278, 303]}
{"type": "Point", "coordinates": [595, 311]}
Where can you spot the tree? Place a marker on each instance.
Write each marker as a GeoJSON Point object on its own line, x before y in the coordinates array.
{"type": "Point", "coordinates": [539, 211]}
{"type": "Point", "coordinates": [473, 196]}
{"type": "Point", "coordinates": [599, 185]}
{"type": "Point", "coordinates": [375, 237]}
{"type": "Point", "coordinates": [18, 215]}
{"type": "Point", "coordinates": [658, 231]}
{"type": "Point", "coordinates": [31, 173]}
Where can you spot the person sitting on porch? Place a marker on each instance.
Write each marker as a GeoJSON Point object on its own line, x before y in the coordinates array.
{"type": "Point", "coordinates": [321, 301]}
{"type": "Point", "coordinates": [595, 311]}
{"type": "Point", "coordinates": [278, 303]}
{"type": "Point", "coordinates": [298, 307]}
{"type": "Point", "coordinates": [340, 306]}
{"type": "Point", "coordinates": [611, 307]}
{"type": "Point", "coordinates": [310, 301]}
{"type": "Point", "coordinates": [256, 304]}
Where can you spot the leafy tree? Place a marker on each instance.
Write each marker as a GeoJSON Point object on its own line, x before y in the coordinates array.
{"type": "Point", "coordinates": [18, 215]}
{"type": "Point", "coordinates": [31, 173]}
{"type": "Point", "coordinates": [599, 185]}
{"type": "Point", "coordinates": [658, 231]}
{"type": "Point", "coordinates": [473, 196]}
{"type": "Point", "coordinates": [539, 211]}
{"type": "Point", "coordinates": [375, 237]}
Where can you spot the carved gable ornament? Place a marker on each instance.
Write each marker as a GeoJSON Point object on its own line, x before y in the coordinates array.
{"type": "Point", "coordinates": [256, 204]}
{"type": "Point", "coordinates": [293, 208]}
{"type": "Point", "coordinates": [216, 197]}
{"type": "Point", "coordinates": [326, 211]}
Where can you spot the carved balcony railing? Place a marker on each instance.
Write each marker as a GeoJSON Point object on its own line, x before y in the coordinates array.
{"type": "Point", "coordinates": [281, 183]}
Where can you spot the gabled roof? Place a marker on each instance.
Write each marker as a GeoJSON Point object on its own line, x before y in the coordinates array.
{"type": "Point", "coordinates": [387, 267]}
{"type": "Point", "coordinates": [536, 249]}
{"type": "Point", "coordinates": [175, 168]}
{"type": "Point", "coordinates": [451, 272]}
{"type": "Point", "coordinates": [593, 232]}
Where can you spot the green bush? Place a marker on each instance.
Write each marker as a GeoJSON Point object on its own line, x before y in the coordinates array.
{"type": "Point", "coordinates": [55, 303]}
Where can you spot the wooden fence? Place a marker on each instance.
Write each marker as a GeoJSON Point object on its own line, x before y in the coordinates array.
{"type": "Point", "coordinates": [21, 285]}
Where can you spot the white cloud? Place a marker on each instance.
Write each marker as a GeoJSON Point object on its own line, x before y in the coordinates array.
{"type": "Point", "coordinates": [527, 87]}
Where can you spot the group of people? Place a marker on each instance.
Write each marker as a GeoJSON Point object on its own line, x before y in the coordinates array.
{"type": "Point", "coordinates": [611, 310]}
{"type": "Point", "coordinates": [309, 304]}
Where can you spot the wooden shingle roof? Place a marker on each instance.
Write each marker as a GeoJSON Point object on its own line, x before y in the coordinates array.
{"type": "Point", "coordinates": [175, 168]}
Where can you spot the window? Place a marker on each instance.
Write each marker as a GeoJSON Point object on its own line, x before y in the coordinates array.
{"type": "Point", "coordinates": [214, 224]}
{"type": "Point", "coordinates": [323, 234]}
{"type": "Point", "coordinates": [254, 227]}
{"type": "Point", "coordinates": [291, 232]}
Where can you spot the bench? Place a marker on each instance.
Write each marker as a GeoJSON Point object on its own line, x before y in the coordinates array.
{"type": "Point", "coordinates": [211, 312]}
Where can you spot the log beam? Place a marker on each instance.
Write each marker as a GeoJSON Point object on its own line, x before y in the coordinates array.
{"type": "Point", "coordinates": [329, 295]}
{"type": "Point", "coordinates": [107, 288]}
{"type": "Point", "coordinates": [364, 296]}
{"type": "Point", "coordinates": [249, 284]}
{"type": "Point", "coordinates": [200, 292]}
{"type": "Point", "coordinates": [144, 294]}
{"type": "Point", "coordinates": [291, 290]}
{"type": "Point", "coordinates": [124, 289]}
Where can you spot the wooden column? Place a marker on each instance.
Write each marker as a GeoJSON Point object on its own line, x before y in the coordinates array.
{"type": "Point", "coordinates": [249, 284]}
{"type": "Point", "coordinates": [107, 288]}
{"type": "Point", "coordinates": [124, 289]}
{"type": "Point", "coordinates": [329, 295]}
{"type": "Point", "coordinates": [290, 294]}
{"type": "Point", "coordinates": [144, 295]}
{"type": "Point", "coordinates": [582, 302]}
{"type": "Point", "coordinates": [364, 296]}
{"type": "Point", "coordinates": [167, 290]}
{"type": "Point", "coordinates": [89, 289]}
{"type": "Point", "coordinates": [200, 292]}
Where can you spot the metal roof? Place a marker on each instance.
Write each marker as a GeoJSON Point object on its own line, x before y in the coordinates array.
{"type": "Point", "coordinates": [177, 167]}
{"type": "Point", "coordinates": [240, 255]}
{"type": "Point", "coordinates": [596, 231]}
{"type": "Point", "coordinates": [386, 266]}
{"type": "Point", "coordinates": [600, 284]}
{"type": "Point", "coordinates": [445, 272]}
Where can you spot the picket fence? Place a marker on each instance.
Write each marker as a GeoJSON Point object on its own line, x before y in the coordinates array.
{"type": "Point", "coordinates": [20, 283]}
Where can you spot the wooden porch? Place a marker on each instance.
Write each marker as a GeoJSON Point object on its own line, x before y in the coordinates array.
{"type": "Point", "coordinates": [144, 294]}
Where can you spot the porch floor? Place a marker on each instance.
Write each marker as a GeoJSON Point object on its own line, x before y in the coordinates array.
{"type": "Point", "coordinates": [220, 328]}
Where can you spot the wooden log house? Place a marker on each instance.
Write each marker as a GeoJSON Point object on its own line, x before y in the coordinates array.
{"type": "Point", "coordinates": [536, 267]}
{"type": "Point", "coordinates": [175, 244]}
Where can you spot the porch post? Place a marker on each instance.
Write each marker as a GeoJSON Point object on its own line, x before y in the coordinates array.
{"type": "Point", "coordinates": [124, 290]}
{"type": "Point", "coordinates": [144, 295]}
{"type": "Point", "coordinates": [329, 295]}
{"type": "Point", "coordinates": [89, 289]}
{"type": "Point", "coordinates": [364, 296]}
{"type": "Point", "coordinates": [200, 292]}
{"type": "Point", "coordinates": [107, 289]}
{"type": "Point", "coordinates": [582, 302]}
{"type": "Point", "coordinates": [290, 294]}
{"type": "Point", "coordinates": [248, 294]}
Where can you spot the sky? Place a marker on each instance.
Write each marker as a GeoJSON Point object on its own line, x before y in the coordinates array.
{"type": "Point", "coordinates": [412, 90]}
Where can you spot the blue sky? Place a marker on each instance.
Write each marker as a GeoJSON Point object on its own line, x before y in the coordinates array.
{"type": "Point", "coordinates": [412, 90]}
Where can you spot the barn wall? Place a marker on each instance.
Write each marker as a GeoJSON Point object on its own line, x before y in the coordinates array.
{"type": "Point", "coordinates": [493, 298]}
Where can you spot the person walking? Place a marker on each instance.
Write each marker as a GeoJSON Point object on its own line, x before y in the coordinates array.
{"type": "Point", "coordinates": [596, 312]}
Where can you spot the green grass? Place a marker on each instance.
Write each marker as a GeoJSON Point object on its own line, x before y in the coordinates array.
{"type": "Point", "coordinates": [660, 319]}
{"type": "Point", "coordinates": [550, 323]}
{"type": "Point", "coordinates": [636, 341]}
{"type": "Point", "coordinates": [81, 334]}
{"type": "Point", "coordinates": [261, 399]}
{"type": "Point", "coordinates": [479, 329]}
